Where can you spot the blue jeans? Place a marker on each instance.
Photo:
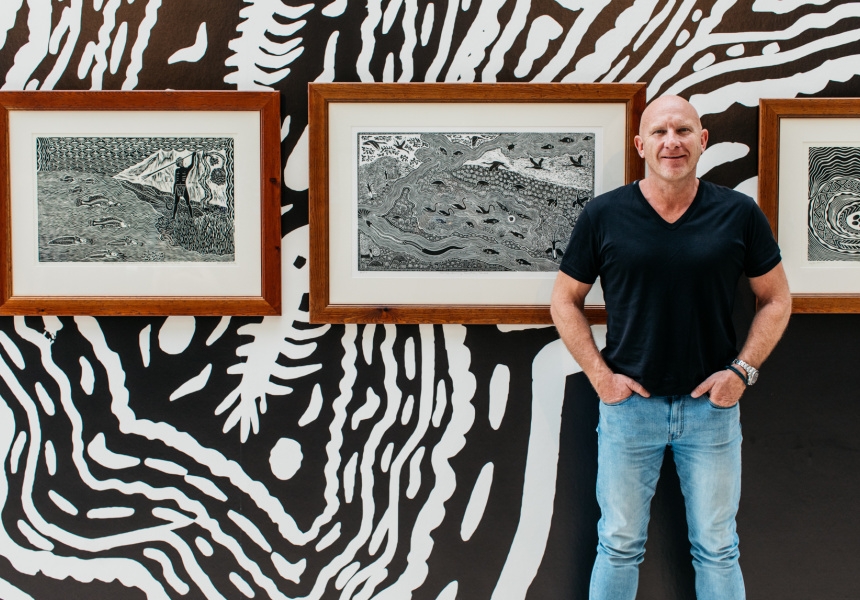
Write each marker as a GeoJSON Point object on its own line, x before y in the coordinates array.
{"type": "Point", "coordinates": [706, 443]}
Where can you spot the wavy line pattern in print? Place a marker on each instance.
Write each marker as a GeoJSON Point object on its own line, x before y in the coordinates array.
{"type": "Point", "coordinates": [834, 203]}
{"type": "Point", "coordinates": [273, 458]}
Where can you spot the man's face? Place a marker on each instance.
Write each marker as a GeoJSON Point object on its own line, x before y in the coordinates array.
{"type": "Point", "coordinates": [671, 139]}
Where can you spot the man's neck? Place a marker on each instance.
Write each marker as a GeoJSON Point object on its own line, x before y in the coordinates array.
{"type": "Point", "coordinates": [670, 199]}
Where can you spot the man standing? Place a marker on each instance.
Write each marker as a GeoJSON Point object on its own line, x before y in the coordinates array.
{"type": "Point", "coordinates": [669, 251]}
{"type": "Point", "coordinates": [180, 178]}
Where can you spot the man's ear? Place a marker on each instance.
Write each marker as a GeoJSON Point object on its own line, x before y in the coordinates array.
{"type": "Point", "coordinates": [704, 139]}
{"type": "Point", "coordinates": [640, 145]}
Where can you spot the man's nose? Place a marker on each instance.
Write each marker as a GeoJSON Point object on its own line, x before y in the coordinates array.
{"type": "Point", "coordinates": [672, 138]}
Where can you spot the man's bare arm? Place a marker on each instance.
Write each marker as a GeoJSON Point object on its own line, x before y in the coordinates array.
{"type": "Point", "coordinates": [567, 305]}
{"type": "Point", "coordinates": [771, 318]}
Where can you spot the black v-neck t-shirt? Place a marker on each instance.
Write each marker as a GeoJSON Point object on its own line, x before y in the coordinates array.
{"type": "Point", "coordinates": [669, 288]}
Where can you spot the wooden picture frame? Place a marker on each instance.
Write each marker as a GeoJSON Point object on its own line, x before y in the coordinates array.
{"type": "Point", "coordinates": [111, 254]}
{"type": "Point", "coordinates": [352, 122]}
{"type": "Point", "coordinates": [809, 189]}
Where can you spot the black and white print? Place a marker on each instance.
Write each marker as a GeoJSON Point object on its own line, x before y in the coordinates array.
{"type": "Point", "coordinates": [187, 457]}
{"type": "Point", "coordinates": [131, 199]}
{"type": "Point", "coordinates": [834, 203]}
{"type": "Point", "coordinates": [470, 201]}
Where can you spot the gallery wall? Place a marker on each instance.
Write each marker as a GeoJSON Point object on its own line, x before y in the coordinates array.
{"type": "Point", "coordinates": [267, 457]}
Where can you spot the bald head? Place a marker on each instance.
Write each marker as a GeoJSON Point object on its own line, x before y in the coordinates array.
{"type": "Point", "coordinates": [671, 140]}
{"type": "Point", "coordinates": [674, 105]}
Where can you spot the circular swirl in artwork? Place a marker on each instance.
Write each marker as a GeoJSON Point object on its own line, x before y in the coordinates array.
{"type": "Point", "coordinates": [834, 215]}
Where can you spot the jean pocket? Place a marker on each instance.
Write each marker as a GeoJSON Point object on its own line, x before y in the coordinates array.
{"type": "Point", "coordinates": [620, 402]}
{"type": "Point", "coordinates": [718, 407]}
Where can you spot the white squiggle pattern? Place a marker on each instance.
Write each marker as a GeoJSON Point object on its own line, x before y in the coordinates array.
{"type": "Point", "coordinates": [195, 384]}
{"type": "Point", "coordinates": [314, 407]}
{"type": "Point", "coordinates": [748, 93]}
{"type": "Point", "coordinates": [444, 47]}
{"type": "Point", "coordinates": [140, 45]}
{"type": "Point", "coordinates": [50, 458]}
{"type": "Point", "coordinates": [144, 340]}
{"type": "Point", "coordinates": [335, 9]}
{"type": "Point", "coordinates": [287, 570]}
{"type": "Point", "coordinates": [88, 378]}
{"type": "Point", "coordinates": [427, 23]}
{"type": "Point", "coordinates": [29, 56]}
{"type": "Point", "coordinates": [110, 512]}
{"type": "Point", "coordinates": [273, 337]}
{"type": "Point", "coordinates": [259, 61]}
{"type": "Point", "coordinates": [45, 400]}
{"type": "Point", "coordinates": [296, 170]}
{"type": "Point", "coordinates": [194, 52]}
{"type": "Point", "coordinates": [63, 504]}
{"type": "Point", "coordinates": [118, 47]}
{"type": "Point", "coordinates": [219, 330]}
{"type": "Point", "coordinates": [477, 502]}
{"type": "Point", "coordinates": [368, 40]}
{"type": "Point", "coordinates": [550, 369]}
{"type": "Point", "coordinates": [217, 464]}
{"type": "Point", "coordinates": [483, 32]}
{"type": "Point", "coordinates": [367, 343]}
{"type": "Point", "coordinates": [653, 24]}
{"type": "Point", "coordinates": [356, 461]}
{"type": "Point", "coordinates": [250, 530]}
{"type": "Point", "coordinates": [415, 473]}
{"type": "Point", "coordinates": [410, 41]}
{"type": "Point", "coordinates": [175, 334]}
{"type": "Point", "coordinates": [606, 49]}
{"type": "Point", "coordinates": [658, 47]}
{"type": "Point", "coordinates": [10, 592]}
{"type": "Point", "coordinates": [772, 58]}
{"type": "Point", "coordinates": [12, 350]}
{"type": "Point", "coordinates": [33, 537]}
{"type": "Point", "coordinates": [8, 12]}
{"type": "Point", "coordinates": [590, 11]}
{"type": "Point", "coordinates": [452, 442]}
{"type": "Point", "coordinates": [543, 30]}
{"type": "Point", "coordinates": [167, 569]}
{"type": "Point", "coordinates": [781, 7]}
{"type": "Point", "coordinates": [512, 29]}
{"type": "Point", "coordinates": [98, 51]}
{"type": "Point", "coordinates": [499, 385]}
{"type": "Point", "coordinates": [720, 154]}
{"type": "Point", "coordinates": [28, 561]}
{"type": "Point", "coordinates": [17, 449]}
{"type": "Point", "coordinates": [97, 450]}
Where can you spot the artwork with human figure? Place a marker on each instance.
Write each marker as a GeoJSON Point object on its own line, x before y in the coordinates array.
{"type": "Point", "coordinates": [470, 201]}
{"type": "Point", "coordinates": [133, 199]}
{"type": "Point", "coordinates": [834, 203]}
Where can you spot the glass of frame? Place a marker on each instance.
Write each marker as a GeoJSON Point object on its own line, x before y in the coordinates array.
{"type": "Point", "coordinates": [453, 203]}
{"type": "Point", "coordinates": [140, 203]}
{"type": "Point", "coordinates": [809, 188]}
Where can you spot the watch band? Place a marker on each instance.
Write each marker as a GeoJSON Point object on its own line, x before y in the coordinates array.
{"type": "Point", "coordinates": [751, 371]}
{"type": "Point", "coordinates": [738, 373]}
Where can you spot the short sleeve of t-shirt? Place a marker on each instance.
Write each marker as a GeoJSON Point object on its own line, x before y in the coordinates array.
{"type": "Point", "coordinates": [581, 259]}
{"type": "Point", "coordinates": [762, 251]}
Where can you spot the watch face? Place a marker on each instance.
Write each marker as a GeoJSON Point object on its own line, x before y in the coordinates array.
{"type": "Point", "coordinates": [752, 378]}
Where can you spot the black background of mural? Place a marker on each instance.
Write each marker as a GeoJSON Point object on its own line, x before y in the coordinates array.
{"type": "Point", "coordinates": [799, 535]}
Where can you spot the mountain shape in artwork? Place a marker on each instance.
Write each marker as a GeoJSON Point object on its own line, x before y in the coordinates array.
{"type": "Point", "coordinates": [157, 170]}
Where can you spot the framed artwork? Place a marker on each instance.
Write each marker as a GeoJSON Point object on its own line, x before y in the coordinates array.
{"type": "Point", "coordinates": [140, 203]}
{"type": "Point", "coordinates": [809, 188]}
{"type": "Point", "coordinates": [453, 203]}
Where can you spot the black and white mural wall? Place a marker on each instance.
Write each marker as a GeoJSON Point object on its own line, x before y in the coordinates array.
{"type": "Point", "coordinates": [231, 458]}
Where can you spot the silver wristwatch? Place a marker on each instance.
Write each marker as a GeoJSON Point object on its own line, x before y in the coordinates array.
{"type": "Point", "coordinates": [752, 372]}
